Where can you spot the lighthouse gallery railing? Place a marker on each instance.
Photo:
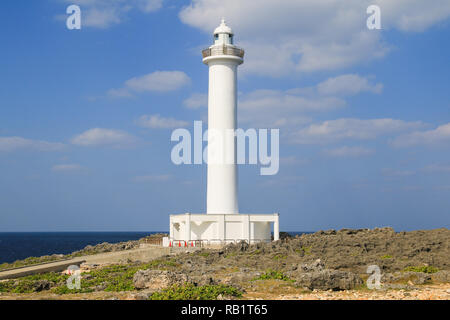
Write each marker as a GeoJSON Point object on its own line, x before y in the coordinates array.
{"type": "Point", "coordinates": [223, 50]}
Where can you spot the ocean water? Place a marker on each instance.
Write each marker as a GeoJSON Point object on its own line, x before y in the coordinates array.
{"type": "Point", "coordinates": [20, 245]}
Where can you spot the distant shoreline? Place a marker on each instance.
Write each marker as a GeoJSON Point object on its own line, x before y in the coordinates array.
{"type": "Point", "coordinates": [22, 245]}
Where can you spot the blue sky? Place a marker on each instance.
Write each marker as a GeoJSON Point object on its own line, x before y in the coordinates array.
{"type": "Point", "coordinates": [86, 115]}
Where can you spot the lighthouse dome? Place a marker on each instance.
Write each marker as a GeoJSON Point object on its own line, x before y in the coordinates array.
{"type": "Point", "coordinates": [223, 28]}
{"type": "Point", "coordinates": [223, 35]}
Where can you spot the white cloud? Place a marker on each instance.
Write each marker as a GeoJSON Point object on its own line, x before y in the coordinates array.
{"type": "Point", "coordinates": [438, 136]}
{"type": "Point", "coordinates": [413, 15]}
{"type": "Point", "coordinates": [348, 128]}
{"type": "Point", "coordinates": [120, 93]}
{"type": "Point", "coordinates": [437, 168]}
{"type": "Point", "coordinates": [158, 122]}
{"type": "Point", "coordinates": [18, 143]}
{"type": "Point", "coordinates": [273, 108]}
{"type": "Point", "coordinates": [346, 151]}
{"type": "Point", "coordinates": [443, 188]}
{"type": "Point", "coordinates": [261, 99]}
{"type": "Point", "coordinates": [289, 108]}
{"type": "Point", "coordinates": [348, 84]}
{"type": "Point", "coordinates": [153, 178]}
{"type": "Point", "coordinates": [104, 137]}
{"type": "Point", "coordinates": [281, 181]}
{"type": "Point", "coordinates": [106, 13]}
{"type": "Point", "coordinates": [292, 160]}
{"type": "Point", "coordinates": [66, 167]}
{"type": "Point", "coordinates": [101, 17]}
{"type": "Point", "coordinates": [282, 36]}
{"type": "Point", "coordinates": [392, 173]}
{"type": "Point", "coordinates": [158, 81]}
{"type": "Point", "coordinates": [196, 101]}
{"type": "Point", "coordinates": [149, 5]}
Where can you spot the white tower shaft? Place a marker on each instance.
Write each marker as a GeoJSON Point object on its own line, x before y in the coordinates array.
{"type": "Point", "coordinates": [222, 185]}
{"type": "Point", "coordinates": [223, 59]}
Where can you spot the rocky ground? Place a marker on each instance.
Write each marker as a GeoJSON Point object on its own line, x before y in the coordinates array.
{"type": "Point", "coordinates": [324, 265]}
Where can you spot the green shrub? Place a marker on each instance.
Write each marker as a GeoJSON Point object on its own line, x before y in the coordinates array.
{"type": "Point", "coordinates": [115, 278]}
{"type": "Point", "coordinates": [304, 250]}
{"type": "Point", "coordinates": [256, 252]}
{"type": "Point", "coordinates": [191, 292]}
{"type": "Point", "coordinates": [230, 255]}
{"type": "Point", "coordinates": [28, 284]}
{"type": "Point", "coordinates": [273, 275]}
{"type": "Point", "coordinates": [204, 254]}
{"type": "Point", "coordinates": [111, 278]}
{"type": "Point", "coordinates": [6, 286]}
{"type": "Point", "coordinates": [424, 269]}
{"type": "Point", "coordinates": [280, 257]}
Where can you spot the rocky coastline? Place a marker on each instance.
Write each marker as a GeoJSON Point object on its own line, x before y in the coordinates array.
{"type": "Point", "coordinates": [325, 265]}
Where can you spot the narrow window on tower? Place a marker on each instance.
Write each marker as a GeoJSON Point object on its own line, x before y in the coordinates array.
{"type": "Point", "coordinates": [231, 39]}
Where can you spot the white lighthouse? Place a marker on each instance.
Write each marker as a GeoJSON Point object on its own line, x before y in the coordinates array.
{"type": "Point", "coordinates": [223, 59]}
{"type": "Point", "coordinates": [223, 223]}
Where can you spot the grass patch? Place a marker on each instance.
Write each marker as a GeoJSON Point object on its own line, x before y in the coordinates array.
{"type": "Point", "coordinates": [386, 256]}
{"type": "Point", "coordinates": [231, 255]}
{"type": "Point", "coordinates": [29, 284]}
{"type": "Point", "coordinates": [191, 292]}
{"type": "Point", "coordinates": [204, 254]}
{"type": "Point", "coordinates": [114, 278]}
{"type": "Point", "coordinates": [304, 250]}
{"type": "Point", "coordinates": [31, 261]}
{"type": "Point", "coordinates": [273, 275]}
{"type": "Point", "coordinates": [424, 269]}
{"type": "Point", "coordinates": [280, 257]}
{"type": "Point", "coordinates": [117, 278]}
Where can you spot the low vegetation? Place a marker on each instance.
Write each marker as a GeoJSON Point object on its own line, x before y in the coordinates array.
{"type": "Point", "coordinates": [33, 283]}
{"type": "Point", "coordinates": [424, 269]}
{"type": "Point", "coordinates": [191, 292]}
{"type": "Point", "coordinates": [280, 257]}
{"type": "Point", "coordinates": [204, 254]}
{"type": "Point", "coordinates": [31, 261]}
{"type": "Point", "coordinates": [114, 278]}
{"type": "Point", "coordinates": [304, 250]}
{"type": "Point", "coordinates": [273, 275]}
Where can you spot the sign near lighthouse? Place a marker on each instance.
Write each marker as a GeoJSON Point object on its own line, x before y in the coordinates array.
{"type": "Point", "coordinates": [222, 222]}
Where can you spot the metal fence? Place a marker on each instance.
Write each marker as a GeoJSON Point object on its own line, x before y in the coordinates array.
{"type": "Point", "coordinates": [154, 241]}
{"type": "Point", "coordinates": [212, 242]}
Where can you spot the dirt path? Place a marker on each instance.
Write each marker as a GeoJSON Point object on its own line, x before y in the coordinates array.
{"type": "Point", "coordinates": [431, 292]}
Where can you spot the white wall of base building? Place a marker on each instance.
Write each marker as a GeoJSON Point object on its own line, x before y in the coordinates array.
{"type": "Point", "coordinates": [222, 228]}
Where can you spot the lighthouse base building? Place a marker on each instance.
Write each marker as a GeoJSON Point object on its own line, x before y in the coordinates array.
{"type": "Point", "coordinates": [222, 223]}
{"type": "Point", "coordinates": [223, 228]}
